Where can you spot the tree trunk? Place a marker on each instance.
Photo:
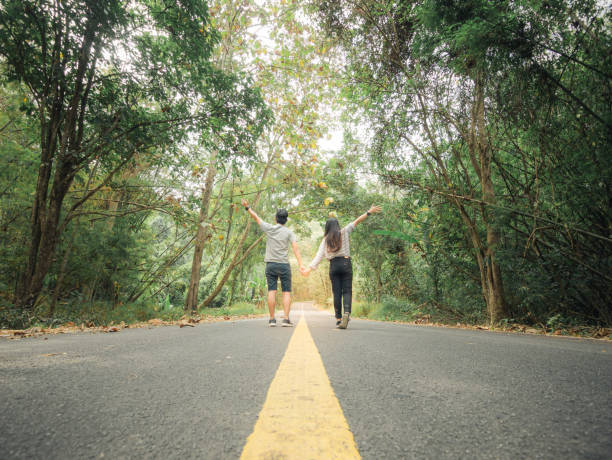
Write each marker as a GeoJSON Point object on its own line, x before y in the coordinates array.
{"type": "Point", "coordinates": [37, 217]}
{"type": "Point", "coordinates": [45, 217]}
{"type": "Point", "coordinates": [42, 249]}
{"type": "Point", "coordinates": [490, 273]}
{"type": "Point", "coordinates": [232, 289]}
{"type": "Point", "coordinates": [62, 272]}
{"type": "Point", "coordinates": [191, 302]}
{"type": "Point", "coordinates": [496, 303]}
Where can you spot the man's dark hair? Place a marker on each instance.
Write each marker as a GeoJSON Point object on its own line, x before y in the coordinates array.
{"type": "Point", "coordinates": [281, 216]}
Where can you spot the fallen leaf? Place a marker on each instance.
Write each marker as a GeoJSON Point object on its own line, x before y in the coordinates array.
{"type": "Point", "coordinates": [602, 332]}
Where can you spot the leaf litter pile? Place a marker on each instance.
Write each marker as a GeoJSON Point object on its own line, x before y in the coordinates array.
{"type": "Point", "coordinates": [88, 326]}
{"type": "Point", "coordinates": [586, 332]}
{"type": "Point", "coordinates": [590, 332]}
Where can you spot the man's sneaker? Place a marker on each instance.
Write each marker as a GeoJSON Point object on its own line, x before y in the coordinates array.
{"type": "Point", "coordinates": [272, 322]}
{"type": "Point", "coordinates": [286, 323]}
{"type": "Point", "coordinates": [344, 321]}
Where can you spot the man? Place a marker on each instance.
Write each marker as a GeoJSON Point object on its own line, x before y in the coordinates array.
{"type": "Point", "coordinates": [277, 260]}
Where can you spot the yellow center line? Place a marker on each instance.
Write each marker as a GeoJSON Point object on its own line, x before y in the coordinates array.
{"type": "Point", "coordinates": [301, 417]}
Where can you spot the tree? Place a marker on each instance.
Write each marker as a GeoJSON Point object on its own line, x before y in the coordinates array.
{"type": "Point", "coordinates": [108, 81]}
{"type": "Point", "coordinates": [288, 68]}
{"type": "Point", "coordinates": [467, 101]}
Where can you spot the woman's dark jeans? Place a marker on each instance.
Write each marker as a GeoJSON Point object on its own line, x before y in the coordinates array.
{"type": "Point", "coordinates": [341, 276]}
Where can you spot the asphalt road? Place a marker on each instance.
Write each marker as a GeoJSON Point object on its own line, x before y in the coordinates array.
{"type": "Point", "coordinates": [406, 391]}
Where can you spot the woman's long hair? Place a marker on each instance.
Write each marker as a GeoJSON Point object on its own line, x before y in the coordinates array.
{"type": "Point", "coordinates": [333, 238]}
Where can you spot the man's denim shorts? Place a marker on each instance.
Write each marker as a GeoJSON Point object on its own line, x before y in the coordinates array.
{"type": "Point", "coordinates": [274, 271]}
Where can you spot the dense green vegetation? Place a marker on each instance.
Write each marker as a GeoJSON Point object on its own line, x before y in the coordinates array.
{"type": "Point", "coordinates": [494, 121]}
{"type": "Point", "coordinates": [129, 132]}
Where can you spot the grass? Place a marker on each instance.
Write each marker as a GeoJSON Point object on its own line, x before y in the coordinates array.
{"type": "Point", "coordinates": [389, 309]}
{"type": "Point", "coordinates": [104, 314]}
{"type": "Point", "coordinates": [384, 311]}
{"type": "Point", "coordinates": [237, 309]}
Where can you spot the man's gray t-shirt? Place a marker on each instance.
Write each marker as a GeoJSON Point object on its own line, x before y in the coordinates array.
{"type": "Point", "coordinates": [277, 244]}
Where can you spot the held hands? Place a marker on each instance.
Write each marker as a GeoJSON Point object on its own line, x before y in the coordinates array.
{"type": "Point", "coordinates": [305, 270]}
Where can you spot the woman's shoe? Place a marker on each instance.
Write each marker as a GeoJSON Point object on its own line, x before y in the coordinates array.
{"type": "Point", "coordinates": [344, 321]}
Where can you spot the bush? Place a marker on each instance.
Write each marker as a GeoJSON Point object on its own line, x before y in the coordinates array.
{"type": "Point", "coordinates": [362, 309]}
{"type": "Point", "coordinates": [239, 308]}
{"type": "Point", "coordinates": [392, 309]}
{"type": "Point", "coordinates": [13, 318]}
{"type": "Point", "coordinates": [389, 309]}
{"type": "Point", "coordinates": [103, 313]}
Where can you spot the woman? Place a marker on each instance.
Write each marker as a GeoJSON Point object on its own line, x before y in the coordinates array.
{"type": "Point", "coordinates": [335, 248]}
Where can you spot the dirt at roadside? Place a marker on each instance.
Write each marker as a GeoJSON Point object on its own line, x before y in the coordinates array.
{"type": "Point", "coordinates": [581, 332]}
{"type": "Point", "coordinates": [72, 328]}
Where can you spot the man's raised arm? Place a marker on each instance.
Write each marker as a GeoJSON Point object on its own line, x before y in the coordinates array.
{"type": "Point", "coordinates": [253, 214]}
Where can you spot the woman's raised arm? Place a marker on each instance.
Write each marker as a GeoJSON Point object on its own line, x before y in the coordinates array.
{"type": "Point", "coordinates": [373, 210]}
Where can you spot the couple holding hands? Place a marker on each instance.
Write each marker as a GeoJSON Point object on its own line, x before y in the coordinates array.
{"type": "Point", "coordinates": [335, 247]}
